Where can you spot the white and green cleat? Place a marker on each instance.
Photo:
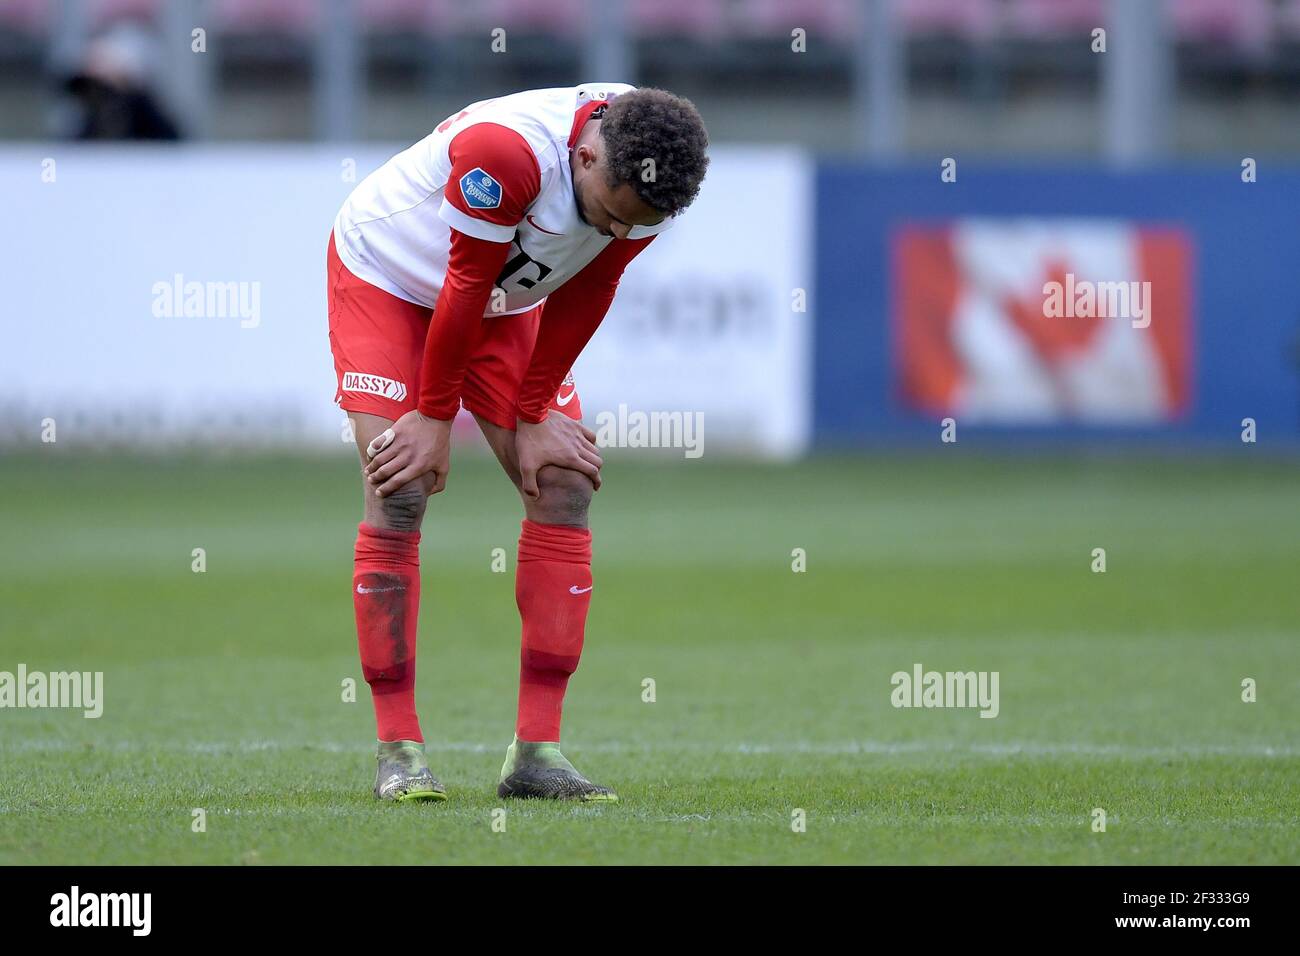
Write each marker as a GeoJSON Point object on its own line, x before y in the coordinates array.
{"type": "Point", "coordinates": [539, 771]}
{"type": "Point", "coordinates": [403, 773]}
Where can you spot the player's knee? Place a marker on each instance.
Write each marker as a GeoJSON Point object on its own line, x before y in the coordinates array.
{"type": "Point", "coordinates": [403, 510]}
{"type": "Point", "coordinates": [564, 496]}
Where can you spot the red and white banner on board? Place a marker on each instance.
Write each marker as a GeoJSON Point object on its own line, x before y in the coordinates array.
{"type": "Point", "coordinates": [1042, 321]}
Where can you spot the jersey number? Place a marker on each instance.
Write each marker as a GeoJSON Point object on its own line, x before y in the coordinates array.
{"type": "Point", "coordinates": [521, 271]}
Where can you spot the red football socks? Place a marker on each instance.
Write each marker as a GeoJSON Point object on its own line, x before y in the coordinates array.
{"type": "Point", "coordinates": [386, 596]}
{"type": "Point", "coordinates": [553, 591]}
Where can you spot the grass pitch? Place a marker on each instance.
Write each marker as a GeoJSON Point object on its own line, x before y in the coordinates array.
{"type": "Point", "coordinates": [1118, 690]}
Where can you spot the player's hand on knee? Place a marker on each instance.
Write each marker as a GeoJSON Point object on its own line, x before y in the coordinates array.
{"type": "Point", "coordinates": [414, 447]}
{"type": "Point", "coordinates": [558, 440]}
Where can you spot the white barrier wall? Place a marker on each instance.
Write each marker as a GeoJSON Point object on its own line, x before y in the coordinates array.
{"type": "Point", "coordinates": [159, 295]}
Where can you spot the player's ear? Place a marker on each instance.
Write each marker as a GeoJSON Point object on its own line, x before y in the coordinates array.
{"type": "Point", "coordinates": [587, 156]}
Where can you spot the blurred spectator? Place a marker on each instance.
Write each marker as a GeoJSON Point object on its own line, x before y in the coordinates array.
{"type": "Point", "coordinates": [112, 88]}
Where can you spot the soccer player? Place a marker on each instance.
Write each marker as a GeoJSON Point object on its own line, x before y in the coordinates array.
{"type": "Point", "coordinates": [471, 269]}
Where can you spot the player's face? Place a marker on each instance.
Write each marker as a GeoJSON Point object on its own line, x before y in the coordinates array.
{"type": "Point", "coordinates": [610, 210]}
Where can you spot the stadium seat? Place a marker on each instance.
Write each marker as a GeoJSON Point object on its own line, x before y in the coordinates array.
{"type": "Point", "coordinates": [103, 12]}
{"type": "Point", "coordinates": [688, 18]}
{"type": "Point", "coordinates": [255, 41]}
{"type": "Point", "coordinates": [556, 17]}
{"type": "Point", "coordinates": [451, 17]}
{"type": "Point", "coordinates": [30, 17]}
{"type": "Point", "coordinates": [295, 17]}
{"type": "Point", "coordinates": [1054, 18]}
{"type": "Point", "coordinates": [399, 16]}
{"type": "Point", "coordinates": [832, 18]}
{"type": "Point", "coordinates": [1288, 20]}
{"type": "Point", "coordinates": [1244, 24]}
{"type": "Point", "coordinates": [972, 20]}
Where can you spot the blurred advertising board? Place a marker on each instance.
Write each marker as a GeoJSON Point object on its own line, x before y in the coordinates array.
{"type": "Point", "coordinates": [177, 295]}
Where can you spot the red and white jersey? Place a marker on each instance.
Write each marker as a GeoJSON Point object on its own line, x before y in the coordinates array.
{"type": "Point", "coordinates": [498, 170]}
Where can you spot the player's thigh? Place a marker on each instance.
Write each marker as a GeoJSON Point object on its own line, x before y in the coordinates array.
{"type": "Point", "coordinates": [502, 442]}
{"type": "Point", "coordinates": [377, 341]}
{"type": "Point", "coordinates": [564, 494]}
{"type": "Point", "coordinates": [365, 429]}
{"type": "Point", "coordinates": [497, 367]}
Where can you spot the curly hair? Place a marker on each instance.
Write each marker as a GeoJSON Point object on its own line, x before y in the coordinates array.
{"type": "Point", "coordinates": [655, 142]}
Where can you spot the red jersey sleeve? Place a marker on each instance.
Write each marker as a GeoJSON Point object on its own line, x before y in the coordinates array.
{"type": "Point", "coordinates": [570, 318]}
{"type": "Point", "coordinates": [494, 178]}
{"type": "Point", "coordinates": [472, 267]}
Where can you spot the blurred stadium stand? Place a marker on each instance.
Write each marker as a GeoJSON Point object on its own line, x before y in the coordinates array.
{"type": "Point", "coordinates": [895, 77]}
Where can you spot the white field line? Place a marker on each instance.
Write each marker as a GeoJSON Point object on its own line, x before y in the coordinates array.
{"type": "Point", "coordinates": [628, 812]}
{"type": "Point", "coordinates": [785, 748]}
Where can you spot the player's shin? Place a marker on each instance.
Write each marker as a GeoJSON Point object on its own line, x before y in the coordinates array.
{"type": "Point", "coordinates": [553, 591]}
{"type": "Point", "coordinates": [386, 597]}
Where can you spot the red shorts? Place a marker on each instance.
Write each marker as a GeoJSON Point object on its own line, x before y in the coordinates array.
{"type": "Point", "coordinates": [378, 345]}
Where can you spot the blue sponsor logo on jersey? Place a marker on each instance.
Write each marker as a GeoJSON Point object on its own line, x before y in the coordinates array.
{"type": "Point", "coordinates": [480, 190]}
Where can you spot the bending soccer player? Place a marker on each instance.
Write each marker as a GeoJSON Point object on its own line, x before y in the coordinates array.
{"type": "Point", "coordinates": [472, 269]}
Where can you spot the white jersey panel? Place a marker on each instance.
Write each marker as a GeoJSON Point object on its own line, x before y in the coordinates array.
{"type": "Point", "coordinates": [394, 230]}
